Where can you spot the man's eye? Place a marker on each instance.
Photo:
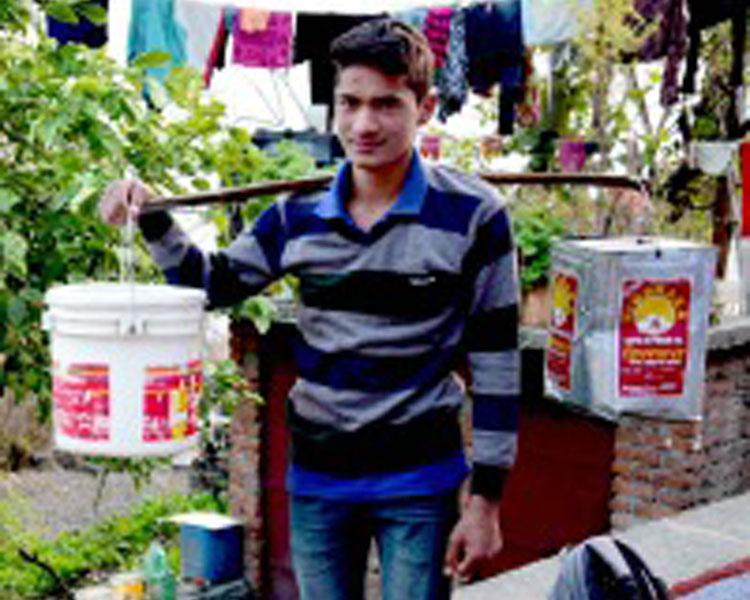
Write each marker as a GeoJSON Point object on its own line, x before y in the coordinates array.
{"type": "Point", "coordinates": [387, 103]}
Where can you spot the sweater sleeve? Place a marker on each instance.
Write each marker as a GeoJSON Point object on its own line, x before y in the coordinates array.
{"type": "Point", "coordinates": [245, 267]}
{"type": "Point", "coordinates": [491, 340]}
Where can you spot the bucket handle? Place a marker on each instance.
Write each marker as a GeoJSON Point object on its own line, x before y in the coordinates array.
{"type": "Point", "coordinates": [134, 325]}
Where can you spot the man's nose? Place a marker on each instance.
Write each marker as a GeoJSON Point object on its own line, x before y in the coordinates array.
{"type": "Point", "coordinates": [365, 121]}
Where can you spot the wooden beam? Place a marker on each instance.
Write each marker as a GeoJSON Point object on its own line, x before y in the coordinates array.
{"type": "Point", "coordinates": [266, 188]}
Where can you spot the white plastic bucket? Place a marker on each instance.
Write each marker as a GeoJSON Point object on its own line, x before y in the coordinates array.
{"type": "Point", "coordinates": [127, 367]}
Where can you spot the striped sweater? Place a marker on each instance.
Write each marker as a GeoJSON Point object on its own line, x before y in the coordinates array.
{"type": "Point", "coordinates": [385, 316]}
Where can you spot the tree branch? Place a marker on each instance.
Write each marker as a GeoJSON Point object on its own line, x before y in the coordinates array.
{"type": "Point", "coordinates": [60, 587]}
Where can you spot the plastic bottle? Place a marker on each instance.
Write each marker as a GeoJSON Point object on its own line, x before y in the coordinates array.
{"type": "Point", "coordinates": [160, 584]}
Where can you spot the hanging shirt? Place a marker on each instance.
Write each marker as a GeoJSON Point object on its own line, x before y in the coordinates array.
{"type": "Point", "coordinates": [153, 28]}
{"type": "Point", "coordinates": [198, 18]}
{"type": "Point", "coordinates": [550, 22]}
{"type": "Point", "coordinates": [495, 54]}
{"type": "Point", "coordinates": [269, 48]}
{"type": "Point", "coordinates": [84, 32]}
{"type": "Point", "coordinates": [452, 85]}
{"type": "Point", "coordinates": [437, 29]}
{"type": "Point", "coordinates": [314, 34]}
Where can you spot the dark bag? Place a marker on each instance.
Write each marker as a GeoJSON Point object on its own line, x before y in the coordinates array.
{"type": "Point", "coordinates": [604, 568]}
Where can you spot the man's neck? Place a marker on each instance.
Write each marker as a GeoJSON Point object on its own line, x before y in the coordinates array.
{"type": "Point", "coordinates": [379, 186]}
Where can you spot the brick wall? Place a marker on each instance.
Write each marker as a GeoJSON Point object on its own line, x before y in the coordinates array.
{"type": "Point", "coordinates": [659, 467]}
{"type": "Point", "coordinates": [244, 461]}
{"type": "Point", "coordinates": [662, 467]}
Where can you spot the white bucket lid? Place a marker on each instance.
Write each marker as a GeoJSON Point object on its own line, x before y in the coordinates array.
{"type": "Point", "coordinates": [119, 295]}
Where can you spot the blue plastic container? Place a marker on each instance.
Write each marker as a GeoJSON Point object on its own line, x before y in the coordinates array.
{"type": "Point", "coordinates": [210, 547]}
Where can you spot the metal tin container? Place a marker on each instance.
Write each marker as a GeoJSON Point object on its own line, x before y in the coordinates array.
{"type": "Point", "coordinates": [210, 547]}
{"type": "Point", "coordinates": [628, 325]}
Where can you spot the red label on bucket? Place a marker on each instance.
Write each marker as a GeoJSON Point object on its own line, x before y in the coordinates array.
{"type": "Point", "coordinates": [80, 394]}
{"type": "Point", "coordinates": [170, 401]}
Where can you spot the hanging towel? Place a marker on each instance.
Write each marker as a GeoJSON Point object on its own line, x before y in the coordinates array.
{"type": "Point", "coordinates": [254, 19]}
{"type": "Point", "coordinates": [84, 32]}
{"type": "Point", "coordinates": [414, 17]}
{"type": "Point", "coordinates": [314, 34]}
{"type": "Point", "coordinates": [437, 29]}
{"type": "Point", "coordinates": [198, 18]}
{"type": "Point", "coordinates": [217, 54]}
{"type": "Point", "coordinates": [495, 54]}
{"type": "Point", "coordinates": [745, 165]}
{"type": "Point", "coordinates": [153, 28]}
{"type": "Point", "coordinates": [550, 22]}
{"type": "Point", "coordinates": [269, 48]}
{"type": "Point", "coordinates": [452, 85]}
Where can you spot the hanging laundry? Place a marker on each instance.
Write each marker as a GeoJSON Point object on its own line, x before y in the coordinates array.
{"type": "Point", "coordinates": [153, 28]}
{"type": "Point", "coordinates": [529, 108]}
{"type": "Point", "coordinates": [314, 34]}
{"type": "Point", "coordinates": [83, 32]}
{"type": "Point", "coordinates": [254, 19]}
{"type": "Point", "coordinates": [572, 155]}
{"type": "Point", "coordinates": [198, 18]}
{"type": "Point", "coordinates": [414, 17]}
{"type": "Point", "coordinates": [452, 85]}
{"type": "Point", "coordinates": [217, 53]}
{"type": "Point", "coordinates": [495, 54]}
{"type": "Point", "coordinates": [669, 40]}
{"type": "Point", "coordinates": [437, 29]}
{"type": "Point", "coordinates": [270, 48]}
{"type": "Point", "coordinates": [704, 15]}
{"type": "Point", "coordinates": [550, 22]}
{"type": "Point", "coordinates": [745, 166]}
{"type": "Point", "coordinates": [430, 146]}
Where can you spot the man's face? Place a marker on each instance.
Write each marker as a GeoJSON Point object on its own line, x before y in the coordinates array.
{"type": "Point", "coordinates": [376, 116]}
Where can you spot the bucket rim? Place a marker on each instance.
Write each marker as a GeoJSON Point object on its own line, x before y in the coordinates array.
{"type": "Point", "coordinates": [122, 295]}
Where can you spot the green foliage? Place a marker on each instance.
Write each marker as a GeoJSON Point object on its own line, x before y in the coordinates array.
{"type": "Point", "coordinates": [225, 389]}
{"type": "Point", "coordinates": [116, 543]}
{"type": "Point", "coordinates": [536, 229]}
{"type": "Point", "coordinates": [72, 122]}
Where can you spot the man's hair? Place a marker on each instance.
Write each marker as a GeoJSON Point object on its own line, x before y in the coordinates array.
{"type": "Point", "coordinates": [389, 46]}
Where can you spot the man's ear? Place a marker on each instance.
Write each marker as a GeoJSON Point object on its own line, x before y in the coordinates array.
{"type": "Point", "coordinates": [427, 107]}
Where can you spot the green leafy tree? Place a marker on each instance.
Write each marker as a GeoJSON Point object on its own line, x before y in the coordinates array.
{"type": "Point", "coordinates": [71, 121]}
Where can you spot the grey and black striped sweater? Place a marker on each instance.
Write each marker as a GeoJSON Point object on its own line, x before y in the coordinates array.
{"type": "Point", "coordinates": [385, 315]}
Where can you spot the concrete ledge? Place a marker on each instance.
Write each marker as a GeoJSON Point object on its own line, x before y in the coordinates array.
{"type": "Point", "coordinates": [676, 548]}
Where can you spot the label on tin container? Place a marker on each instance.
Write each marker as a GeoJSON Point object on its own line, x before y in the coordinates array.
{"type": "Point", "coordinates": [653, 340]}
{"type": "Point", "coordinates": [562, 328]}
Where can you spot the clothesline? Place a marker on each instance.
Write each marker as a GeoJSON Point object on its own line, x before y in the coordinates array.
{"type": "Point", "coordinates": [342, 7]}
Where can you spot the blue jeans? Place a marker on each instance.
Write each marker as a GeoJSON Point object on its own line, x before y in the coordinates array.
{"type": "Point", "coordinates": [331, 540]}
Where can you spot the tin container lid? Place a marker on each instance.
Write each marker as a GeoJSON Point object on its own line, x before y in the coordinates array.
{"type": "Point", "coordinates": [635, 244]}
{"type": "Point", "coordinates": [205, 520]}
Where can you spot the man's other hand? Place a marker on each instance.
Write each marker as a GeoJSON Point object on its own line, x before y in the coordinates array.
{"type": "Point", "coordinates": [476, 539]}
{"type": "Point", "coordinates": [121, 197]}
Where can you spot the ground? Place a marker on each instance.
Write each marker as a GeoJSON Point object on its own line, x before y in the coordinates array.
{"type": "Point", "coordinates": [64, 498]}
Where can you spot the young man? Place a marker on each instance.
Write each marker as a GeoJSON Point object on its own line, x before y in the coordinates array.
{"type": "Point", "coordinates": [403, 269]}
